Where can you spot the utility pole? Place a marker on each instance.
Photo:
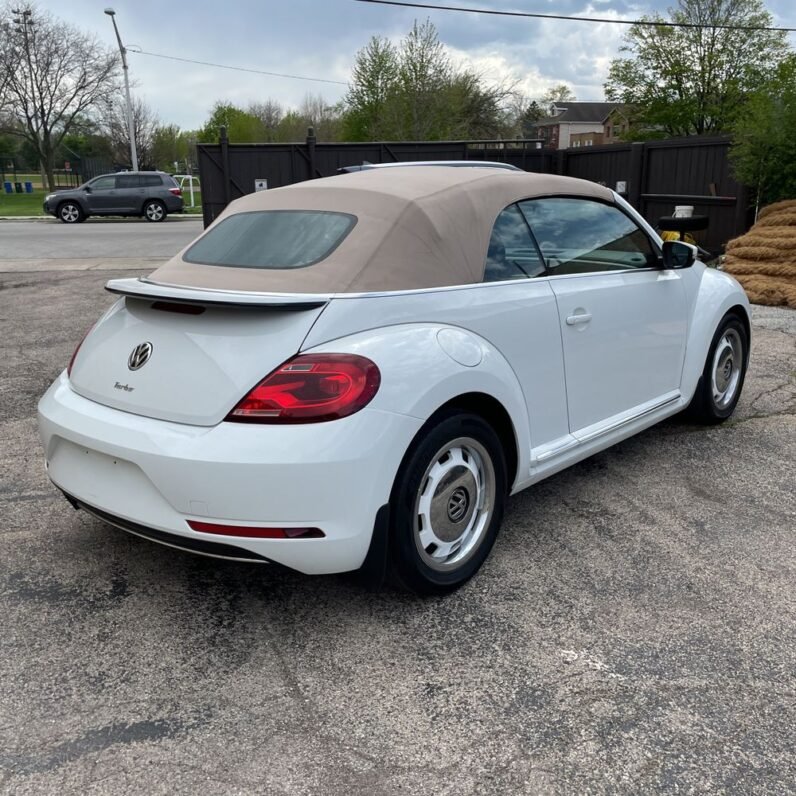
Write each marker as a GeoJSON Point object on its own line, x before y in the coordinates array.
{"type": "Point", "coordinates": [23, 18]}
{"type": "Point", "coordinates": [130, 124]}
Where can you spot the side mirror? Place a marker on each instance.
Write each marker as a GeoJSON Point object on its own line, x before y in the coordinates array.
{"type": "Point", "coordinates": [87, 189]}
{"type": "Point", "coordinates": [677, 254]}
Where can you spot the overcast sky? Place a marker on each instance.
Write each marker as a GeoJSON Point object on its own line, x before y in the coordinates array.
{"type": "Point", "coordinates": [319, 38]}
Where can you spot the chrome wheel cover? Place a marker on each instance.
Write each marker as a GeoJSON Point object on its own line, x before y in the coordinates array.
{"type": "Point", "coordinates": [726, 369]}
{"type": "Point", "coordinates": [154, 211]}
{"type": "Point", "coordinates": [70, 213]}
{"type": "Point", "coordinates": [454, 504]}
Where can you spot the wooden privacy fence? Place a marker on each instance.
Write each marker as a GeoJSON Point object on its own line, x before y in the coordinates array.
{"type": "Point", "coordinates": [654, 176]}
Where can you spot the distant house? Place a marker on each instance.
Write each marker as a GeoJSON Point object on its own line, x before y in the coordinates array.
{"type": "Point", "coordinates": [585, 139]}
{"type": "Point", "coordinates": [616, 124]}
{"type": "Point", "coordinates": [575, 124]}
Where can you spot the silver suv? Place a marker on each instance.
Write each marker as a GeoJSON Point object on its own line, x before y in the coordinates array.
{"type": "Point", "coordinates": [151, 194]}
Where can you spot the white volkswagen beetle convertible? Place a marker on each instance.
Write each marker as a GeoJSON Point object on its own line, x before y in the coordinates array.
{"type": "Point", "coordinates": [355, 372]}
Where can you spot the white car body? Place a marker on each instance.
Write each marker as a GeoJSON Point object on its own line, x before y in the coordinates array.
{"type": "Point", "coordinates": [567, 387]}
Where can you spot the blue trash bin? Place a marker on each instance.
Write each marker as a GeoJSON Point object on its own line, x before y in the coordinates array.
{"type": "Point", "coordinates": [28, 187]}
{"type": "Point", "coordinates": [8, 187]}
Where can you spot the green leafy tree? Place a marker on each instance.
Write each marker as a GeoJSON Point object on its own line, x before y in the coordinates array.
{"type": "Point", "coordinates": [764, 150]}
{"type": "Point", "coordinates": [242, 126]}
{"type": "Point", "coordinates": [370, 114]}
{"type": "Point", "coordinates": [170, 144]}
{"type": "Point", "coordinates": [415, 92]}
{"type": "Point", "coordinates": [688, 81]}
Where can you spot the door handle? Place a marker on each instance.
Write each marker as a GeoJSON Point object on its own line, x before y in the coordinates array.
{"type": "Point", "coordinates": [583, 317]}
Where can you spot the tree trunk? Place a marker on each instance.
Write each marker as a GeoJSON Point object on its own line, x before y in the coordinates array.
{"type": "Point", "coordinates": [48, 161]}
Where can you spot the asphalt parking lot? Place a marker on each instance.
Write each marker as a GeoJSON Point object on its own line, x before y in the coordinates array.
{"type": "Point", "coordinates": [97, 244]}
{"type": "Point", "coordinates": [634, 630]}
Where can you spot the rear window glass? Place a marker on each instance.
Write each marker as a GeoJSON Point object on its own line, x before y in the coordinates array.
{"type": "Point", "coordinates": [151, 180]}
{"type": "Point", "coordinates": [272, 239]}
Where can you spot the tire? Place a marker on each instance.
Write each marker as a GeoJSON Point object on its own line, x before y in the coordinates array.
{"type": "Point", "coordinates": [154, 210]}
{"type": "Point", "coordinates": [439, 534]}
{"type": "Point", "coordinates": [70, 213]}
{"type": "Point", "coordinates": [720, 385]}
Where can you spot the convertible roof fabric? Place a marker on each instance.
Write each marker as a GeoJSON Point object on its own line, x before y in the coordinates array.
{"type": "Point", "coordinates": [417, 227]}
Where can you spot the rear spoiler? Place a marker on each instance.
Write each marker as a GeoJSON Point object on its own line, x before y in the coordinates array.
{"type": "Point", "coordinates": [142, 288]}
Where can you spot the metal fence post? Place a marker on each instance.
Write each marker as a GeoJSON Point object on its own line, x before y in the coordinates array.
{"type": "Point", "coordinates": [635, 188]}
{"type": "Point", "coordinates": [224, 142]}
{"type": "Point", "coordinates": [311, 140]}
{"type": "Point", "coordinates": [561, 161]}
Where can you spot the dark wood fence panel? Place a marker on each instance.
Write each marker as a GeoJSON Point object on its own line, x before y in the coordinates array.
{"type": "Point", "coordinates": [656, 175]}
{"type": "Point", "coordinates": [607, 165]}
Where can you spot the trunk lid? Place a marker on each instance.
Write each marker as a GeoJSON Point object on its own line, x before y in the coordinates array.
{"type": "Point", "coordinates": [207, 349]}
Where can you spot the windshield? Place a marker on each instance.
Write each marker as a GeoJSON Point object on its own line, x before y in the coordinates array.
{"type": "Point", "coordinates": [274, 239]}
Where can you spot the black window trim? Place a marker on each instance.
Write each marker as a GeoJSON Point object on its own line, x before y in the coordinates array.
{"type": "Point", "coordinates": [354, 220]}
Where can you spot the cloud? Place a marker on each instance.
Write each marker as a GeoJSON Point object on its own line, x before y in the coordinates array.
{"type": "Point", "coordinates": [320, 38]}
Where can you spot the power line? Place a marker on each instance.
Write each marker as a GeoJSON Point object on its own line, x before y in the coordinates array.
{"type": "Point", "coordinates": [533, 15]}
{"type": "Point", "coordinates": [235, 68]}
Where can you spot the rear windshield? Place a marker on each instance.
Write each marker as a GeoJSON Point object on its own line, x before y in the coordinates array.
{"type": "Point", "coordinates": [272, 239]}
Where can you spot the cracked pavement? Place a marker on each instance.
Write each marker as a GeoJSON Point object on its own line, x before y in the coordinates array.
{"type": "Point", "coordinates": [632, 632]}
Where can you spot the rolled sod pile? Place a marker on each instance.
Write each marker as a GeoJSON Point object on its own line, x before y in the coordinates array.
{"type": "Point", "coordinates": [764, 259]}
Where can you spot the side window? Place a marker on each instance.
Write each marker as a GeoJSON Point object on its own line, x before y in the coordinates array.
{"type": "Point", "coordinates": [581, 236]}
{"type": "Point", "coordinates": [103, 183]}
{"type": "Point", "coordinates": [151, 180]}
{"type": "Point", "coordinates": [512, 253]}
{"type": "Point", "coordinates": [128, 181]}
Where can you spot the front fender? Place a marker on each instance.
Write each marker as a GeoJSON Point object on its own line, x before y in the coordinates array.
{"type": "Point", "coordinates": [716, 294]}
{"type": "Point", "coordinates": [418, 375]}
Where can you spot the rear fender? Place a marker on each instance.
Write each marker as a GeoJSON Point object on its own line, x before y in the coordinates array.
{"type": "Point", "coordinates": [717, 294]}
{"type": "Point", "coordinates": [425, 366]}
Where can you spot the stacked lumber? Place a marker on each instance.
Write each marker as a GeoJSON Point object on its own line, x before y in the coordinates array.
{"type": "Point", "coordinates": [764, 259]}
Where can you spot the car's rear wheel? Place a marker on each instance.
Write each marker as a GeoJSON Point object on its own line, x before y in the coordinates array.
{"type": "Point", "coordinates": [725, 369]}
{"type": "Point", "coordinates": [154, 210]}
{"type": "Point", "coordinates": [70, 213]}
{"type": "Point", "coordinates": [447, 504]}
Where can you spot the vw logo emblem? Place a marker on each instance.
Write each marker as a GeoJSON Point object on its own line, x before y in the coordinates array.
{"type": "Point", "coordinates": [139, 356]}
{"type": "Point", "coordinates": [458, 504]}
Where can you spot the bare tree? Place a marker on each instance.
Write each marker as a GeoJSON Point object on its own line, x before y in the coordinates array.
{"type": "Point", "coordinates": [51, 74]}
{"type": "Point", "coordinates": [115, 127]}
{"type": "Point", "coordinates": [270, 113]}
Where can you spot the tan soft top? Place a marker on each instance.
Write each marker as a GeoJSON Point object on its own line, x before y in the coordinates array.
{"type": "Point", "coordinates": [417, 227]}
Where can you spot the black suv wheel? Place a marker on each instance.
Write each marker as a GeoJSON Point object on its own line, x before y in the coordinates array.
{"type": "Point", "coordinates": [70, 213]}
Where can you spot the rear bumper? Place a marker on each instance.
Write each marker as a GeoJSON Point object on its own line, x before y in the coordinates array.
{"type": "Point", "coordinates": [137, 471]}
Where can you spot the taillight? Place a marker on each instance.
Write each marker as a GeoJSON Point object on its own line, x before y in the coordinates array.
{"type": "Point", "coordinates": [74, 353]}
{"type": "Point", "coordinates": [311, 388]}
{"type": "Point", "coordinates": [176, 191]}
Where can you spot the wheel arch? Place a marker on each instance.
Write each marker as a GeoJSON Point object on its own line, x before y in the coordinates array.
{"type": "Point", "coordinates": [495, 414]}
{"type": "Point", "coordinates": [718, 295]}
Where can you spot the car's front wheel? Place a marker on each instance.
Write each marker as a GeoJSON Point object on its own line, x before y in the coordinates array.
{"type": "Point", "coordinates": [154, 210]}
{"type": "Point", "coordinates": [447, 504]}
{"type": "Point", "coordinates": [70, 213]}
{"type": "Point", "coordinates": [725, 369]}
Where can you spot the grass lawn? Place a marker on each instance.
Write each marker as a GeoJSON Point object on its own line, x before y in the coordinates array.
{"type": "Point", "coordinates": [22, 204]}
